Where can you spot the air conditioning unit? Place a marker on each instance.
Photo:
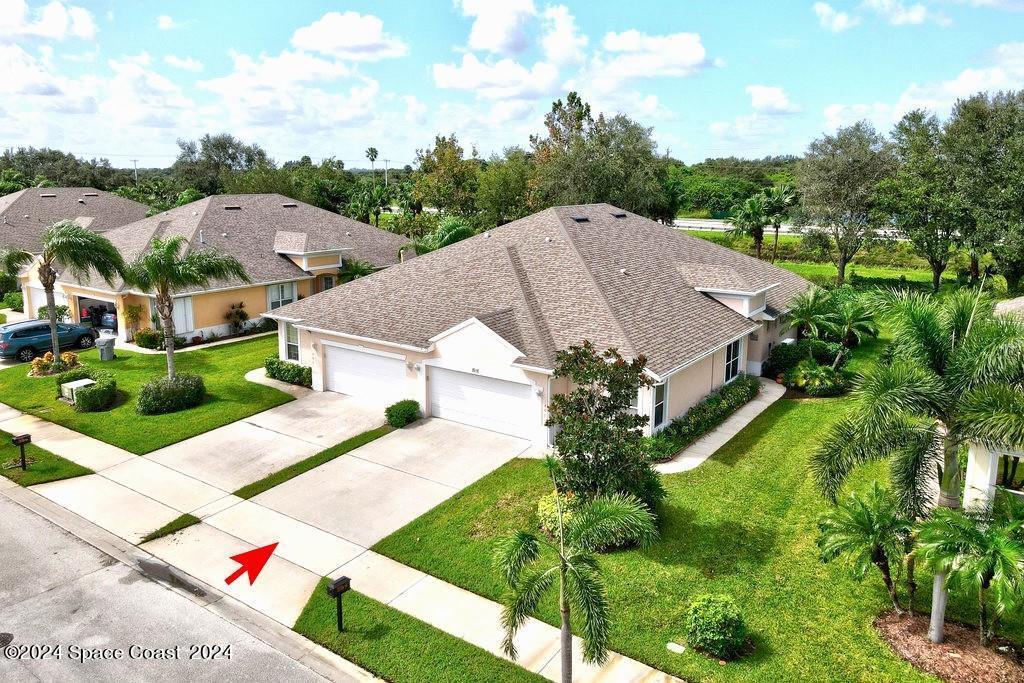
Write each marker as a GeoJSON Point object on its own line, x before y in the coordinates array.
{"type": "Point", "coordinates": [69, 390]}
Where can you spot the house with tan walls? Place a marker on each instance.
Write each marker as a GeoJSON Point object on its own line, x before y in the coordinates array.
{"type": "Point", "coordinates": [289, 249]}
{"type": "Point", "coordinates": [471, 331]}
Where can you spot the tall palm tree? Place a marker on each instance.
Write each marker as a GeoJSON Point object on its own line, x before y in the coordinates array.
{"type": "Point", "coordinates": [809, 313]}
{"type": "Point", "coordinates": [68, 247]}
{"type": "Point", "coordinates": [371, 154]}
{"type": "Point", "coordinates": [749, 218]}
{"type": "Point", "coordinates": [355, 269]}
{"type": "Point", "coordinates": [379, 200]}
{"type": "Point", "coordinates": [851, 321]}
{"type": "Point", "coordinates": [956, 376]}
{"type": "Point", "coordinates": [164, 269]}
{"type": "Point", "coordinates": [778, 200]}
{"type": "Point", "coordinates": [979, 552]}
{"type": "Point", "coordinates": [570, 560]}
{"type": "Point", "coordinates": [868, 531]}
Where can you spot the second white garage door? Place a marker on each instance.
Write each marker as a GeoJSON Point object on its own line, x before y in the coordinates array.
{"type": "Point", "coordinates": [486, 402]}
{"type": "Point", "coordinates": [366, 375]}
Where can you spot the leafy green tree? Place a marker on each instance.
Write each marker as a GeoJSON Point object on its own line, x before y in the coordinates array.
{"type": "Point", "coordinates": [165, 269]}
{"type": "Point", "coordinates": [850, 321]}
{"type": "Point", "coordinates": [11, 181]}
{"type": "Point", "coordinates": [837, 179]}
{"type": "Point", "coordinates": [750, 219]}
{"type": "Point", "coordinates": [600, 443]}
{"type": "Point", "coordinates": [956, 375]}
{"type": "Point", "coordinates": [204, 164]}
{"type": "Point", "coordinates": [450, 230]}
{"type": "Point", "coordinates": [696, 191]}
{"type": "Point", "coordinates": [868, 531]}
{"type": "Point", "coordinates": [445, 179]}
{"type": "Point", "coordinates": [531, 565]}
{"type": "Point", "coordinates": [778, 200]}
{"type": "Point", "coordinates": [51, 167]}
{"type": "Point", "coordinates": [503, 187]}
{"type": "Point", "coordinates": [978, 553]}
{"type": "Point", "coordinates": [809, 313]}
{"type": "Point", "coordinates": [159, 194]}
{"type": "Point", "coordinates": [355, 269]}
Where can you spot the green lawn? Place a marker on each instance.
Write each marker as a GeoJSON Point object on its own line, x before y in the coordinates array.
{"type": "Point", "coordinates": [172, 527]}
{"type": "Point", "coordinates": [230, 396]}
{"type": "Point", "coordinates": [398, 647]}
{"type": "Point", "coordinates": [47, 466]}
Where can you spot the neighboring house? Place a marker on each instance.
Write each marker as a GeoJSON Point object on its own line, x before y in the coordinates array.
{"type": "Point", "coordinates": [471, 331]}
{"type": "Point", "coordinates": [289, 250]}
{"type": "Point", "coordinates": [26, 214]}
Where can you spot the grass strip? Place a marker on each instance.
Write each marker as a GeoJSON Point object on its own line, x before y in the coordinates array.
{"type": "Point", "coordinates": [324, 456]}
{"type": "Point", "coordinates": [398, 647]}
{"type": "Point", "coordinates": [171, 527]}
{"type": "Point", "coordinates": [44, 466]}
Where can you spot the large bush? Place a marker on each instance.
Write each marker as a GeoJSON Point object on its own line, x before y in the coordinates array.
{"type": "Point", "coordinates": [712, 411]}
{"type": "Point", "coordinates": [715, 626]}
{"type": "Point", "coordinates": [293, 373]}
{"type": "Point", "coordinates": [14, 301]}
{"type": "Point", "coordinates": [94, 398]}
{"type": "Point", "coordinates": [785, 357]}
{"type": "Point", "coordinates": [166, 395]}
{"type": "Point", "coordinates": [402, 413]}
{"type": "Point", "coordinates": [149, 339]}
{"type": "Point", "coordinates": [63, 313]}
{"type": "Point", "coordinates": [815, 379]}
{"type": "Point", "coordinates": [8, 283]}
{"type": "Point", "coordinates": [547, 510]}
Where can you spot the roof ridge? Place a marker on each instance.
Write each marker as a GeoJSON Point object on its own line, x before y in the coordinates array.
{"type": "Point", "coordinates": [547, 341]}
{"type": "Point", "coordinates": [593, 281]}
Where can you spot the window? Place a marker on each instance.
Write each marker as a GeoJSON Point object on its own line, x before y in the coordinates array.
{"type": "Point", "coordinates": [326, 282]}
{"type": "Point", "coordinates": [658, 413]}
{"type": "Point", "coordinates": [291, 342]}
{"type": "Point", "coordinates": [280, 295]}
{"type": "Point", "coordinates": [634, 405]}
{"type": "Point", "coordinates": [732, 360]}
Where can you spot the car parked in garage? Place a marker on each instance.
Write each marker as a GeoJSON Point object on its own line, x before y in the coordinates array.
{"type": "Point", "coordinates": [31, 338]}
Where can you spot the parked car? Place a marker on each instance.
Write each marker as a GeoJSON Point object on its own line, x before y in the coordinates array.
{"type": "Point", "coordinates": [26, 340]}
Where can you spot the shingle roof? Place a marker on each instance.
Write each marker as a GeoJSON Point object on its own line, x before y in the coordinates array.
{"type": "Point", "coordinates": [254, 229]}
{"type": "Point", "coordinates": [25, 214]}
{"type": "Point", "coordinates": [547, 281]}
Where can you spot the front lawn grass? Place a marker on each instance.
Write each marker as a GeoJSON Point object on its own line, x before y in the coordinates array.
{"type": "Point", "coordinates": [46, 466]}
{"type": "Point", "coordinates": [398, 647]}
{"type": "Point", "coordinates": [743, 523]}
{"type": "Point", "coordinates": [230, 396]}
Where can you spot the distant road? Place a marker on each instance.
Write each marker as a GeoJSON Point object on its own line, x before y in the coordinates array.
{"type": "Point", "coordinates": [718, 225]}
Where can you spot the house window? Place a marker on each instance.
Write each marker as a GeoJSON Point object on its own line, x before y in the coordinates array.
{"type": "Point", "coordinates": [326, 282]}
{"type": "Point", "coordinates": [658, 413]}
{"type": "Point", "coordinates": [291, 342]}
{"type": "Point", "coordinates": [280, 295]}
{"type": "Point", "coordinates": [732, 360]}
{"type": "Point", "coordinates": [634, 405]}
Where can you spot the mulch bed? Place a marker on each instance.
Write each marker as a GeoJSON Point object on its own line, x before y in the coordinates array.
{"type": "Point", "coordinates": [961, 659]}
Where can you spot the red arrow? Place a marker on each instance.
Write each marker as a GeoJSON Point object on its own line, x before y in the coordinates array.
{"type": "Point", "coordinates": [252, 562]}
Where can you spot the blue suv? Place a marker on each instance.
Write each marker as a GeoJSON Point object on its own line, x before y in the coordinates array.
{"type": "Point", "coordinates": [26, 340]}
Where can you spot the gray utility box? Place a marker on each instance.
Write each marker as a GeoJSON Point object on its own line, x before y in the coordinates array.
{"type": "Point", "coordinates": [69, 390]}
{"type": "Point", "coordinates": [106, 348]}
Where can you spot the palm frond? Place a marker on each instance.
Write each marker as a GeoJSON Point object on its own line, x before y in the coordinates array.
{"type": "Point", "coordinates": [514, 553]}
{"type": "Point", "coordinates": [80, 251]}
{"type": "Point", "coordinates": [992, 352]}
{"type": "Point", "coordinates": [993, 413]}
{"type": "Point", "coordinates": [13, 260]}
{"type": "Point", "coordinates": [913, 468]}
{"type": "Point", "coordinates": [522, 602]}
{"type": "Point", "coordinates": [588, 598]}
{"type": "Point", "coordinates": [611, 521]}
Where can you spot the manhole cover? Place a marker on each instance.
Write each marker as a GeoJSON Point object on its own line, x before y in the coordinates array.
{"type": "Point", "coordinates": [6, 639]}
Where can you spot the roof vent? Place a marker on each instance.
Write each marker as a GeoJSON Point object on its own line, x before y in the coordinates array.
{"type": "Point", "coordinates": [47, 194]}
{"type": "Point", "coordinates": [201, 240]}
{"type": "Point", "coordinates": [622, 271]}
{"type": "Point", "coordinates": [223, 234]}
{"type": "Point", "coordinates": [619, 214]}
{"type": "Point", "coordinates": [91, 194]}
{"type": "Point", "coordinates": [195, 213]}
{"type": "Point", "coordinates": [81, 201]}
{"type": "Point", "coordinates": [232, 208]}
{"type": "Point", "coordinates": [581, 219]}
{"type": "Point", "coordinates": [487, 235]}
{"type": "Point", "coordinates": [289, 205]}
{"type": "Point", "coordinates": [348, 234]}
{"type": "Point", "coordinates": [547, 239]}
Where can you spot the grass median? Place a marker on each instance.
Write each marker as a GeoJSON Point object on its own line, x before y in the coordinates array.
{"type": "Point", "coordinates": [43, 466]}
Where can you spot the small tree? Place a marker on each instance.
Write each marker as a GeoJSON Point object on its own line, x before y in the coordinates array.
{"type": "Point", "coordinates": [778, 201]}
{"type": "Point", "coordinates": [809, 313]}
{"type": "Point", "coordinates": [600, 444]}
{"type": "Point", "coordinates": [749, 219]}
{"type": "Point", "coordinates": [850, 321]}
{"type": "Point", "coordinates": [355, 269]}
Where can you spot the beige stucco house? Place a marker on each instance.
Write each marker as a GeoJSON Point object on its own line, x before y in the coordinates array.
{"type": "Point", "coordinates": [289, 249]}
{"type": "Point", "coordinates": [471, 331]}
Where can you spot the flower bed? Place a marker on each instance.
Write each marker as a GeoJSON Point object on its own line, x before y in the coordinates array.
{"type": "Point", "coordinates": [47, 366]}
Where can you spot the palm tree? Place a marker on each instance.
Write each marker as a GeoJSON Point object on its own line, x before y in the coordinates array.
{"type": "Point", "coordinates": [850, 321]}
{"type": "Point", "coordinates": [371, 154]}
{"type": "Point", "coordinates": [868, 530]}
{"type": "Point", "coordinates": [378, 198]}
{"type": "Point", "coordinates": [980, 552]}
{"type": "Point", "coordinates": [163, 270]}
{"type": "Point", "coordinates": [359, 206]}
{"type": "Point", "coordinates": [450, 230]}
{"type": "Point", "coordinates": [808, 312]}
{"type": "Point", "coordinates": [600, 523]}
{"type": "Point", "coordinates": [749, 218]}
{"type": "Point", "coordinates": [355, 269]}
{"type": "Point", "coordinates": [69, 247]}
{"type": "Point", "coordinates": [13, 260]}
{"type": "Point", "coordinates": [778, 200]}
{"type": "Point", "coordinates": [955, 377]}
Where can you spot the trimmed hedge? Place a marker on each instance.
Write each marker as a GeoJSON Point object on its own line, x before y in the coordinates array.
{"type": "Point", "coordinates": [91, 399]}
{"type": "Point", "coordinates": [402, 413]}
{"type": "Point", "coordinates": [14, 301]}
{"type": "Point", "coordinates": [293, 373]}
{"type": "Point", "coordinates": [785, 357]}
{"type": "Point", "coordinates": [703, 417]}
{"type": "Point", "coordinates": [149, 338]}
{"type": "Point", "coordinates": [715, 626]}
{"type": "Point", "coordinates": [166, 395]}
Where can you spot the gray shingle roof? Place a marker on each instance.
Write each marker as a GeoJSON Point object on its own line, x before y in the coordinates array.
{"type": "Point", "coordinates": [255, 232]}
{"type": "Point", "coordinates": [25, 214]}
{"type": "Point", "coordinates": [547, 281]}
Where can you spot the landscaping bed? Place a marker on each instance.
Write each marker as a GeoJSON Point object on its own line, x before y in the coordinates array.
{"type": "Point", "coordinates": [43, 465]}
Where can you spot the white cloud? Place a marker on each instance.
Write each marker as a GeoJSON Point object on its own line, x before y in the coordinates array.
{"type": "Point", "coordinates": [768, 120]}
{"type": "Point", "coordinates": [54, 21]}
{"type": "Point", "coordinates": [631, 55]}
{"type": "Point", "coordinates": [184, 63]}
{"type": "Point", "coordinates": [562, 42]}
{"type": "Point", "coordinates": [349, 35]}
{"type": "Point", "coordinates": [899, 14]}
{"type": "Point", "coordinates": [136, 96]}
{"type": "Point", "coordinates": [498, 26]}
{"type": "Point", "coordinates": [1012, 5]}
{"type": "Point", "coordinates": [832, 19]}
{"type": "Point", "coordinates": [770, 100]}
{"type": "Point", "coordinates": [165, 23]}
{"type": "Point", "coordinates": [415, 111]}
{"type": "Point", "coordinates": [505, 79]}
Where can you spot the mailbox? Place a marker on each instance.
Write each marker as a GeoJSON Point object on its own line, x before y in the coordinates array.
{"type": "Point", "coordinates": [21, 439]}
{"type": "Point", "coordinates": [339, 586]}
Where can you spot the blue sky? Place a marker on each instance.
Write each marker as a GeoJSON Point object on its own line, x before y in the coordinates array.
{"type": "Point", "coordinates": [126, 79]}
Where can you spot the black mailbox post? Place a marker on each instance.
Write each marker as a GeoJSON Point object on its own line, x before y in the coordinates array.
{"type": "Point", "coordinates": [336, 589]}
{"type": "Point", "coordinates": [20, 440]}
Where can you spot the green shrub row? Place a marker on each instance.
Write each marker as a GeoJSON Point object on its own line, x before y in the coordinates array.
{"type": "Point", "coordinates": [785, 357]}
{"type": "Point", "coordinates": [703, 417]}
{"type": "Point", "coordinates": [815, 379]}
{"type": "Point", "coordinates": [94, 398]}
{"type": "Point", "coordinates": [402, 413]}
{"type": "Point", "coordinates": [149, 338]}
{"type": "Point", "coordinates": [165, 395]}
{"type": "Point", "coordinates": [14, 301]}
{"type": "Point", "coordinates": [293, 373]}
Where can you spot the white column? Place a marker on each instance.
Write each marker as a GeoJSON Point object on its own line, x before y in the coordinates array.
{"type": "Point", "coordinates": [980, 482]}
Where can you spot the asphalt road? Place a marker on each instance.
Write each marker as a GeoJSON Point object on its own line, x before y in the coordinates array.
{"type": "Point", "coordinates": [60, 597]}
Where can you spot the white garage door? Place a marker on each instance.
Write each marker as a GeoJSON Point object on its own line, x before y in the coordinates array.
{"type": "Point", "coordinates": [38, 296]}
{"type": "Point", "coordinates": [486, 402]}
{"type": "Point", "coordinates": [366, 375]}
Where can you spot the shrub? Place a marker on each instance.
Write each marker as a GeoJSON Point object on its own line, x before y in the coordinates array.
{"type": "Point", "coordinates": [91, 399]}
{"type": "Point", "coordinates": [237, 316]}
{"type": "Point", "coordinates": [785, 357]}
{"type": "Point", "coordinates": [293, 373]}
{"type": "Point", "coordinates": [48, 365]}
{"type": "Point", "coordinates": [815, 379]}
{"type": "Point", "coordinates": [8, 283]}
{"type": "Point", "coordinates": [63, 313]}
{"type": "Point", "coordinates": [715, 626]}
{"type": "Point", "coordinates": [3, 318]}
{"type": "Point", "coordinates": [14, 301]}
{"type": "Point", "coordinates": [149, 338]}
{"type": "Point", "coordinates": [166, 395]}
{"type": "Point", "coordinates": [402, 413]}
{"type": "Point", "coordinates": [547, 510]}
